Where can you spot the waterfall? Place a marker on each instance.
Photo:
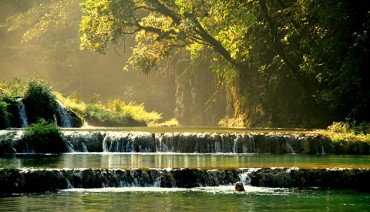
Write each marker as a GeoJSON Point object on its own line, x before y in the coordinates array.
{"type": "Point", "coordinates": [195, 142]}
{"type": "Point", "coordinates": [22, 115]}
{"type": "Point", "coordinates": [65, 120]}
{"type": "Point", "coordinates": [105, 145]}
{"type": "Point", "coordinates": [69, 146]}
{"type": "Point", "coordinates": [322, 148]}
{"type": "Point", "coordinates": [218, 147]}
{"type": "Point", "coordinates": [242, 143]}
{"type": "Point", "coordinates": [84, 147]}
{"type": "Point", "coordinates": [43, 180]}
{"type": "Point", "coordinates": [235, 146]}
{"type": "Point", "coordinates": [244, 176]}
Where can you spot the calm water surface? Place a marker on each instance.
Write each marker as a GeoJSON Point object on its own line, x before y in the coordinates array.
{"type": "Point", "coordinates": [173, 160]}
{"type": "Point", "coordinates": [198, 199]}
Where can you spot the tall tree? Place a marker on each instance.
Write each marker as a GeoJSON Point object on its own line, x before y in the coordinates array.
{"type": "Point", "coordinates": [284, 63]}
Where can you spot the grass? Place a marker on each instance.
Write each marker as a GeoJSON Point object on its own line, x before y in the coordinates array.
{"type": "Point", "coordinates": [346, 131]}
{"type": "Point", "coordinates": [115, 113]}
{"type": "Point", "coordinates": [41, 104]}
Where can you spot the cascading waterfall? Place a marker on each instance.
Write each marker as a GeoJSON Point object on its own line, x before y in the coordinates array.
{"type": "Point", "coordinates": [205, 142]}
{"type": "Point", "coordinates": [65, 119]}
{"type": "Point", "coordinates": [22, 115]}
{"type": "Point", "coordinates": [41, 180]}
{"type": "Point", "coordinates": [245, 175]}
{"type": "Point", "coordinates": [110, 141]}
{"type": "Point", "coordinates": [105, 145]}
{"type": "Point", "coordinates": [128, 142]}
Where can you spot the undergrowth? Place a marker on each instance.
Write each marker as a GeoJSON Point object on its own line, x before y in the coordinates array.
{"type": "Point", "coordinates": [348, 131]}
{"type": "Point", "coordinates": [115, 112]}
{"type": "Point", "coordinates": [45, 137]}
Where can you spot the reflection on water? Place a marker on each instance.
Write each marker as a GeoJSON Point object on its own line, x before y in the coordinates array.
{"type": "Point", "coordinates": [173, 160]}
{"type": "Point", "coordinates": [197, 199]}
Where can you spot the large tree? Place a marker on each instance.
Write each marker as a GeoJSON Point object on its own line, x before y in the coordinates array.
{"type": "Point", "coordinates": [284, 63]}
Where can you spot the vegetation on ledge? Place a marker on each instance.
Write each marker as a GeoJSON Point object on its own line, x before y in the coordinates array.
{"type": "Point", "coordinates": [348, 138]}
{"type": "Point", "coordinates": [42, 102]}
{"type": "Point", "coordinates": [44, 137]}
{"type": "Point", "coordinates": [115, 113]}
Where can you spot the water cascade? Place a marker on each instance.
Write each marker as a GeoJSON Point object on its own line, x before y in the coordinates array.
{"type": "Point", "coordinates": [65, 118]}
{"type": "Point", "coordinates": [204, 142]}
{"type": "Point", "coordinates": [22, 115]}
{"type": "Point", "coordinates": [273, 143]}
{"type": "Point", "coordinates": [40, 180]}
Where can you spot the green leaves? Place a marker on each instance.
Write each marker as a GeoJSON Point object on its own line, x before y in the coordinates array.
{"type": "Point", "coordinates": [45, 137]}
{"type": "Point", "coordinates": [284, 63]}
{"type": "Point", "coordinates": [40, 101]}
{"type": "Point", "coordinates": [105, 22]}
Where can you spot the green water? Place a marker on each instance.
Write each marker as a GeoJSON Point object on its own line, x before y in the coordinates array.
{"type": "Point", "coordinates": [172, 160]}
{"type": "Point", "coordinates": [210, 129]}
{"type": "Point", "coordinates": [198, 199]}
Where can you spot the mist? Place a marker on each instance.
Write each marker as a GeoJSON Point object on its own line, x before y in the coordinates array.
{"type": "Point", "coordinates": [55, 56]}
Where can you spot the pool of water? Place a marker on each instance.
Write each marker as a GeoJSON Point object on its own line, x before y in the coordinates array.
{"type": "Point", "coordinates": [175, 160]}
{"type": "Point", "coordinates": [197, 199]}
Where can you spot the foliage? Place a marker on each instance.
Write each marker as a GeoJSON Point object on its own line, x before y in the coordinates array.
{"type": "Point", "coordinates": [44, 20]}
{"type": "Point", "coordinates": [347, 127]}
{"type": "Point", "coordinates": [12, 89]}
{"type": "Point", "coordinates": [45, 137]}
{"type": "Point", "coordinates": [137, 112]}
{"type": "Point", "coordinates": [46, 36]}
{"type": "Point", "coordinates": [4, 115]}
{"type": "Point", "coordinates": [10, 180]}
{"type": "Point", "coordinates": [339, 127]}
{"type": "Point", "coordinates": [231, 122]}
{"type": "Point", "coordinates": [284, 63]}
{"type": "Point", "coordinates": [115, 113]}
{"type": "Point", "coordinates": [72, 102]}
{"type": "Point", "coordinates": [40, 101]}
{"type": "Point", "coordinates": [343, 133]}
{"type": "Point", "coordinates": [169, 123]}
{"type": "Point", "coordinates": [9, 93]}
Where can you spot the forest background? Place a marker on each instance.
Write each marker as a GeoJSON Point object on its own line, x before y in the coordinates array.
{"type": "Point", "coordinates": [254, 63]}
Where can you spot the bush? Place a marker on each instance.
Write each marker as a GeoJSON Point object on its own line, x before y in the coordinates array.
{"type": "Point", "coordinates": [4, 115]}
{"type": "Point", "coordinates": [339, 127]}
{"type": "Point", "coordinates": [44, 137]}
{"type": "Point", "coordinates": [40, 101]}
{"type": "Point", "coordinates": [347, 127]}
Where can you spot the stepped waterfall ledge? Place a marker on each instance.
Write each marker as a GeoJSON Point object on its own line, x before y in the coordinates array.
{"type": "Point", "coordinates": [186, 142]}
{"type": "Point", "coordinates": [40, 180]}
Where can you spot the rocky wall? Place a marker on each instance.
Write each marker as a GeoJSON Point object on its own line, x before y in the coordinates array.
{"type": "Point", "coordinates": [41, 180]}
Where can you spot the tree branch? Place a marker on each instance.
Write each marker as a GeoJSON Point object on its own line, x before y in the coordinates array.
{"type": "Point", "coordinates": [166, 11]}
{"type": "Point", "coordinates": [293, 68]}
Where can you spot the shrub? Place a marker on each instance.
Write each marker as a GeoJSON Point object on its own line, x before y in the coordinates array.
{"type": "Point", "coordinates": [169, 123]}
{"type": "Point", "coordinates": [45, 137]}
{"type": "Point", "coordinates": [339, 127]}
{"type": "Point", "coordinates": [40, 101]}
{"type": "Point", "coordinates": [4, 115]}
{"type": "Point", "coordinates": [347, 127]}
{"type": "Point", "coordinates": [10, 181]}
